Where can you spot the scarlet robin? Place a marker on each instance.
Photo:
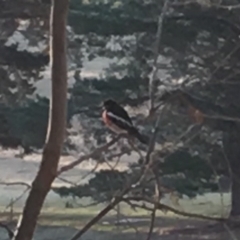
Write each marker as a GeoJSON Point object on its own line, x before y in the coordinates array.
{"type": "Point", "coordinates": [117, 119]}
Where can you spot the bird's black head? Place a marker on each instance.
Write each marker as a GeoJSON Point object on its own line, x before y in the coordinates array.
{"type": "Point", "coordinates": [109, 103]}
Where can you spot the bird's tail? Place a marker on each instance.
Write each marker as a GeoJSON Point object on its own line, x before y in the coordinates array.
{"type": "Point", "coordinates": [142, 138]}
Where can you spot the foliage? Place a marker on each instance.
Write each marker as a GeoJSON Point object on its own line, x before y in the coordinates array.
{"type": "Point", "coordinates": [194, 42]}
{"type": "Point", "coordinates": [197, 74]}
{"type": "Point", "coordinates": [29, 122]}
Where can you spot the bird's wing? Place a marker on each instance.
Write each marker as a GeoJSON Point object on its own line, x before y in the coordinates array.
{"type": "Point", "coordinates": [121, 113]}
{"type": "Point", "coordinates": [119, 117]}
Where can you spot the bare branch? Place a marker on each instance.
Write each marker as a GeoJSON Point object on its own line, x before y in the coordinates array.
{"type": "Point", "coordinates": [16, 184]}
{"type": "Point", "coordinates": [157, 196]}
{"type": "Point", "coordinates": [153, 141]}
{"type": "Point", "coordinates": [17, 198]}
{"type": "Point", "coordinates": [66, 181]}
{"type": "Point", "coordinates": [102, 213]}
{"type": "Point", "coordinates": [21, 195]}
{"type": "Point", "coordinates": [154, 78]}
{"type": "Point", "coordinates": [134, 205]}
{"type": "Point", "coordinates": [91, 172]}
{"type": "Point", "coordinates": [230, 232]}
{"type": "Point", "coordinates": [218, 117]}
{"type": "Point", "coordinates": [161, 207]}
{"type": "Point", "coordinates": [95, 153]}
{"type": "Point", "coordinates": [94, 220]}
{"type": "Point", "coordinates": [153, 217]}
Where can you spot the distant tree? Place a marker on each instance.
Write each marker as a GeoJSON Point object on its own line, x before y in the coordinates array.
{"type": "Point", "coordinates": [20, 68]}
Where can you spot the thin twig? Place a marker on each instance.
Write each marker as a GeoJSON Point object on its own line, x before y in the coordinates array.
{"type": "Point", "coordinates": [161, 206]}
{"type": "Point", "coordinates": [101, 214]}
{"type": "Point", "coordinates": [16, 184]}
{"type": "Point", "coordinates": [154, 77]}
{"type": "Point", "coordinates": [153, 217]}
{"type": "Point", "coordinates": [17, 198]}
{"type": "Point", "coordinates": [147, 163]}
{"type": "Point", "coordinates": [95, 153]}
{"type": "Point", "coordinates": [134, 205]}
{"type": "Point", "coordinates": [117, 162]}
{"type": "Point", "coordinates": [223, 62]}
{"type": "Point", "coordinates": [135, 149]}
{"type": "Point", "coordinates": [153, 141]}
{"type": "Point", "coordinates": [89, 173]}
{"type": "Point", "coordinates": [157, 188]}
{"type": "Point", "coordinates": [66, 181]}
{"type": "Point", "coordinates": [231, 233]}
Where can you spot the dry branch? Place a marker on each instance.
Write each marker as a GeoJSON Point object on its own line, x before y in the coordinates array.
{"type": "Point", "coordinates": [95, 153]}
{"type": "Point", "coordinates": [16, 184]}
{"type": "Point", "coordinates": [102, 213]}
{"type": "Point", "coordinates": [11, 203]}
{"type": "Point", "coordinates": [153, 217]}
{"type": "Point", "coordinates": [161, 207]}
{"type": "Point", "coordinates": [154, 78]}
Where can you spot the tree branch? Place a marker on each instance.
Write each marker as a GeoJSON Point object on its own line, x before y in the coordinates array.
{"type": "Point", "coordinates": [16, 184]}
{"type": "Point", "coordinates": [153, 217]}
{"type": "Point", "coordinates": [161, 206]}
{"type": "Point", "coordinates": [95, 153]}
{"type": "Point", "coordinates": [154, 78]}
{"type": "Point", "coordinates": [102, 213]}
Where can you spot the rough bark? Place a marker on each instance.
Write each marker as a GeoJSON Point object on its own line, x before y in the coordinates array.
{"type": "Point", "coordinates": [232, 151]}
{"type": "Point", "coordinates": [57, 121]}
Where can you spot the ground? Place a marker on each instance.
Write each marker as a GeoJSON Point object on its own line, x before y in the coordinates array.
{"type": "Point", "coordinates": [58, 222]}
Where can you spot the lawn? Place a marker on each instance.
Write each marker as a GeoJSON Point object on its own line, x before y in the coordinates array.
{"type": "Point", "coordinates": [58, 222]}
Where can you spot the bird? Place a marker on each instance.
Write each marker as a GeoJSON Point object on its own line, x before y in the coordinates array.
{"type": "Point", "coordinates": [117, 120]}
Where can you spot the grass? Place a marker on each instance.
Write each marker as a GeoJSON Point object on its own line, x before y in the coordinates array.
{"type": "Point", "coordinates": [60, 222]}
{"type": "Point", "coordinates": [75, 217]}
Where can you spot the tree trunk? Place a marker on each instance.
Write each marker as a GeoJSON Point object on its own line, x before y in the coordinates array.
{"type": "Point", "coordinates": [232, 151]}
{"type": "Point", "coordinates": [57, 122]}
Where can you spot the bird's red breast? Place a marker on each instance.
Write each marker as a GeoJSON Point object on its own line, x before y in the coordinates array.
{"type": "Point", "coordinates": [105, 118]}
{"type": "Point", "coordinates": [110, 124]}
